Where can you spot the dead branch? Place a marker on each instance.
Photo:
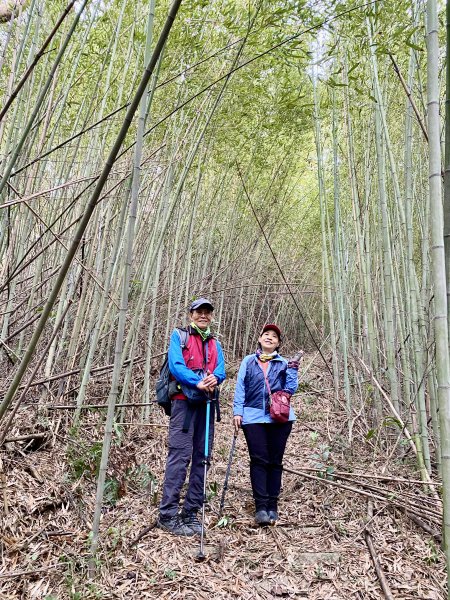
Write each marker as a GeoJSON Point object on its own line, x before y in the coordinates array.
{"type": "Point", "coordinates": [142, 534]}
{"type": "Point", "coordinates": [373, 553]}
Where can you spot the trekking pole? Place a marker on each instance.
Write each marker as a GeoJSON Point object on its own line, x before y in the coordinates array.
{"type": "Point", "coordinates": [227, 474]}
{"type": "Point", "coordinates": [201, 554]}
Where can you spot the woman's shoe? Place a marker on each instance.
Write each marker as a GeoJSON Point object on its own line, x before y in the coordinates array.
{"type": "Point", "coordinates": [262, 518]}
{"type": "Point", "coordinates": [273, 516]}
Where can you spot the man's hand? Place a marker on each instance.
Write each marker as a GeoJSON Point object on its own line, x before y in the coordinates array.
{"type": "Point", "coordinates": [210, 380]}
{"type": "Point", "coordinates": [203, 387]}
{"type": "Point", "coordinates": [237, 422]}
{"type": "Point", "coordinates": [208, 383]}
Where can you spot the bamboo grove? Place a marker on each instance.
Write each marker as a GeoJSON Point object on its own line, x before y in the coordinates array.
{"type": "Point", "coordinates": [283, 158]}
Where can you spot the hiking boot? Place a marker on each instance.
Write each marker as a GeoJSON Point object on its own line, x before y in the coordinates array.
{"type": "Point", "coordinates": [189, 518]}
{"type": "Point", "coordinates": [262, 518]}
{"type": "Point", "coordinates": [273, 516]}
{"type": "Point", "coordinates": [174, 525]}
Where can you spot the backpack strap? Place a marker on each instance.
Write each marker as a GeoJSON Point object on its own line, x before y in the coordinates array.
{"type": "Point", "coordinates": [268, 387]}
{"type": "Point", "coordinates": [205, 345]}
{"type": "Point", "coordinates": [188, 416]}
{"type": "Point", "coordinates": [184, 336]}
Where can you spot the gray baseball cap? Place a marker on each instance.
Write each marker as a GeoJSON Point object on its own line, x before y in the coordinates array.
{"type": "Point", "coordinates": [200, 302]}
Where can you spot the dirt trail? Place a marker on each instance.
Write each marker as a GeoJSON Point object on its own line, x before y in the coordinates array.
{"type": "Point", "coordinates": [317, 551]}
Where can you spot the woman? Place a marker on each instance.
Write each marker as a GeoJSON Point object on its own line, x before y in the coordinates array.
{"type": "Point", "coordinates": [260, 375]}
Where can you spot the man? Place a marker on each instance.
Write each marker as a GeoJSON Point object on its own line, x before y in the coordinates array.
{"type": "Point", "coordinates": [197, 368]}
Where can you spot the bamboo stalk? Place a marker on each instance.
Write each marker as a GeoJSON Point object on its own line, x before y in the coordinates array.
{"type": "Point", "coordinates": [109, 419]}
{"type": "Point", "coordinates": [8, 423]}
{"type": "Point", "coordinates": [373, 553]}
{"type": "Point", "coordinates": [88, 212]}
{"type": "Point", "coordinates": [438, 265]}
{"type": "Point", "coordinates": [36, 59]}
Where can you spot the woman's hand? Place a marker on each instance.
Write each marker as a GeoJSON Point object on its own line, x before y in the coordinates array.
{"type": "Point", "coordinates": [294, 362]}
{"type": "Point", "coordinates": [237, 422]}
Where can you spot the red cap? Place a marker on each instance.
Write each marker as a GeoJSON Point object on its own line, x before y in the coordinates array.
{"type": "Point", "coordinates": [272, 327]}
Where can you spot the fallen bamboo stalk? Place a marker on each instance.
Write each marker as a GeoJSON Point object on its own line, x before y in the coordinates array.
{"type": "Point", "coordinates": [425, 526]}
{"type": "Point", "coordinates": [370, 476]}
{"type": "Point", "coordinates": [373, 553]}
{"type": "Point", "coordinates": [44, 192]}
{"type": "Point", "coordinates": [94, 371]}
{"type": "Point", "coordinates": [31, 436]}
{"type": "Point", "coordinates": [408, 436]}
{"type": "Point", "coordinates": [376, 488]}
{"type": "Point", "coordinates": [33, 571]}
{"type": "Point", "coordinates": [430, 512]}
{"type": "Point", "coordinates": [92, 406]}
{"type": "Point", "coordinates": [24, 326]}
{"type": "Point", "coordinates": [410, 98]}
{"type": "Point", "coordinates": [35, 60]}
{"type": "Point", "coordinates": [391, 406]}
{"type": "Point", "coordinates": [145, 424]}
{"type": "Point", "coordinates": [3, 485]}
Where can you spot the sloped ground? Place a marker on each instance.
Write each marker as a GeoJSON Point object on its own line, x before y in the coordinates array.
{"type": "Point", "coordinates": [317, 551]}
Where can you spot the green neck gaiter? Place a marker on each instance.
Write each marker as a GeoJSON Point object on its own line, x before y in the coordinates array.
{"type": "Point", "coordinates": [204, 333]}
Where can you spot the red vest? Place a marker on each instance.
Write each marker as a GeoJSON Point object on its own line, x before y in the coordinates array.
{"type": "Point", "coordinates": [194, 355]}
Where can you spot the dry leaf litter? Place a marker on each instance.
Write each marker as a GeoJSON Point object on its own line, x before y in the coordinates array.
{"type": "Point", "coordinates": [317, 551]}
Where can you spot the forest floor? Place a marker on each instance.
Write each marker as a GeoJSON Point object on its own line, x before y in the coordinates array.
{"type": "Point", "coordinates": [319, 549]}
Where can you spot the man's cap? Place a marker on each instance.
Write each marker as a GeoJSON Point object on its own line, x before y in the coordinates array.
{"type": "Point", "coordinates": [200, 302]}
{"type": "Point", "coordinates": [272, 327]}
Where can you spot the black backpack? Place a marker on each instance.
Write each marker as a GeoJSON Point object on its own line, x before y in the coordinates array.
{"type": "Point", "coordinates": [163, 395]}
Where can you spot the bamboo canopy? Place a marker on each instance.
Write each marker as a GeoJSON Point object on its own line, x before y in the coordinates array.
{"type": "Point", "coordinates": [288, 160]}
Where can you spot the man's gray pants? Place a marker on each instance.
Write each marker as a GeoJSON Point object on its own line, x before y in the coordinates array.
{"type": "Point", "coordinates": [185, 447]}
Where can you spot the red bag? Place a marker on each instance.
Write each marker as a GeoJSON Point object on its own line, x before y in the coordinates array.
{"type": "Point", "coordinates": [280, 406]}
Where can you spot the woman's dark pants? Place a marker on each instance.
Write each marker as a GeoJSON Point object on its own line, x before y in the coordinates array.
{"type": "Point", "coordinates": [184, 448]}
{"type": "Point", "coordinates": [266, 444]}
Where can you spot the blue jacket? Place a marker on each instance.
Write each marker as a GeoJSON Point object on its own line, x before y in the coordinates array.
{"type": "Point", "coordinates": [182, 373]}
{"type": "Point", "coordinates": [251, 395]}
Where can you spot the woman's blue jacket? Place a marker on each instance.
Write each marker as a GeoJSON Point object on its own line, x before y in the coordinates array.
{"type": "Point", "coordinates": [251, 395]}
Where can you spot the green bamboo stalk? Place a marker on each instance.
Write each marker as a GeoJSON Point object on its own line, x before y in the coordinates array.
{"type": "Point", "coordinates": [438, 266]}
{"type": "Point", "coordinates": [447, 162]}
{"type": "Point", "coordinates": [337, 269]}
{"type": "Point", "coordinates": [88, 211]}
{"type": "Point", "coordinates": [36, 59]}
{"type": "Point", "coordinates": [366, 305]}
{"type": "Point", "coordinates": [124, 301]}
{"type": "Point", "coordinates": [326, 271]}
{"type": "Point", "coordinates": [386, 238]}
{"type": "Point", "coordinates": [39, 101]}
